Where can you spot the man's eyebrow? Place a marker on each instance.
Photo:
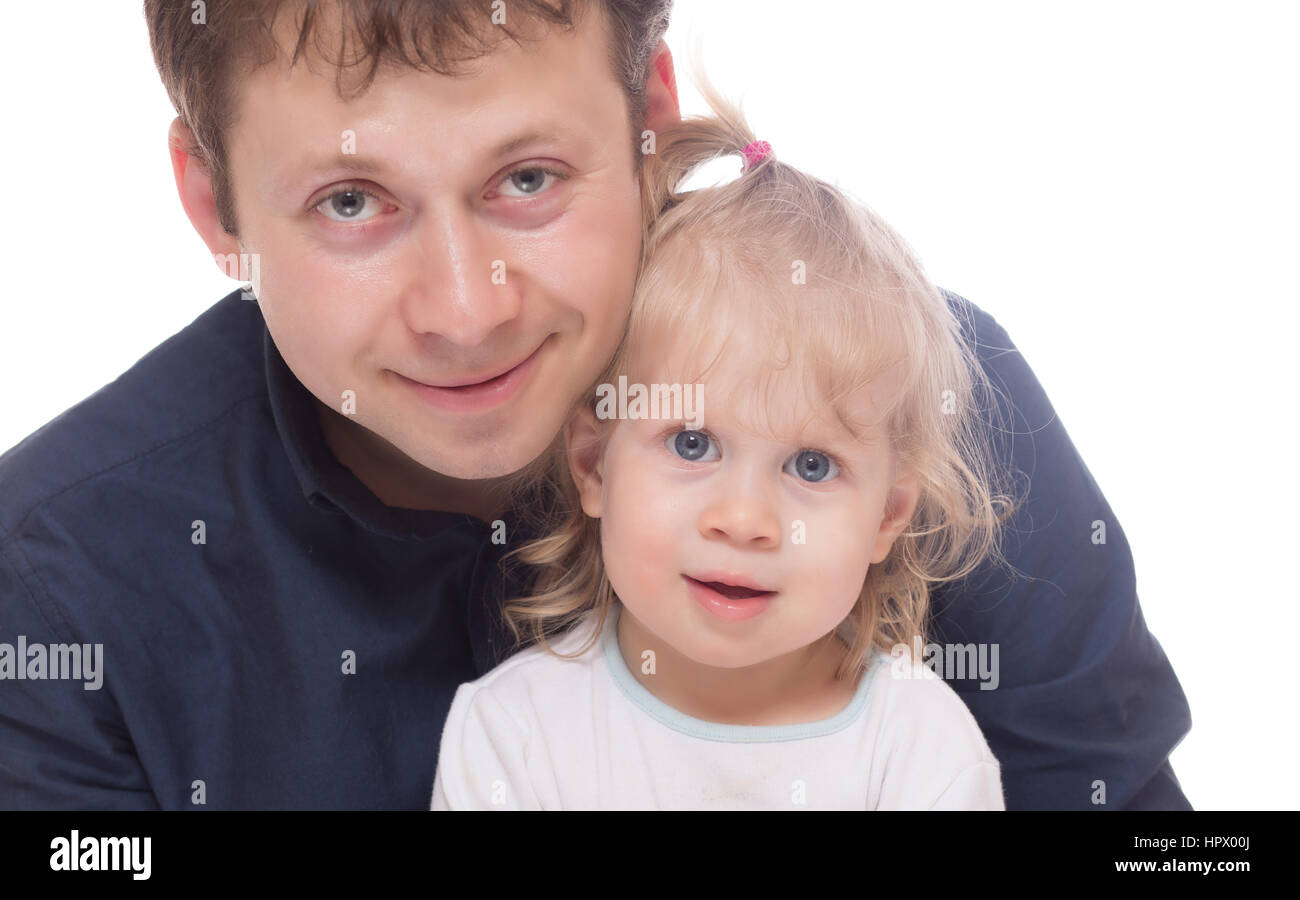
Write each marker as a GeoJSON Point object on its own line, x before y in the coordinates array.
{"type": "Point", "coordinates": [515, 144]}
{"type": "Point", "coordinates": [344, 163]}
{"type": "Point", "coordinates": [348, 163]}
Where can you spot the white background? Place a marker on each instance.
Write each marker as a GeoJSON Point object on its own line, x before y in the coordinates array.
{"type": "Point", "coordinates": [1115, 182]}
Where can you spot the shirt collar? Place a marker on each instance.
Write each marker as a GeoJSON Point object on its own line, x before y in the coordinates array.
{"type": "Point", "coordinates": [327, 484]}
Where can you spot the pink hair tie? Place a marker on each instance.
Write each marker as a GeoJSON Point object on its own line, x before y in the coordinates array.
{"type": "Point", "coordinates": [755, 152]}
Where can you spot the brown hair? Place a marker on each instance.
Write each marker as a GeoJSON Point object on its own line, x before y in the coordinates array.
{"type": "Point", "coordinates": [200, 60]}
{"type": "Point", "coordinates": [867, 314]}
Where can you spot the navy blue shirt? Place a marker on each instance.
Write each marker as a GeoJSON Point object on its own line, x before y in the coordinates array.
{"type": "Point", "coordinates": [273, 636]}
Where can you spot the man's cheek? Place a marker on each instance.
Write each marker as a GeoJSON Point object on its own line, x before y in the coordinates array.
{"type": "Point", "coordinates": [591, 260]}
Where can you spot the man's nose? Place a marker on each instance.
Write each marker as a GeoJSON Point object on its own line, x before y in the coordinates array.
{"type": "Point", "coordinates": [744, 512]}
{"type": "Point", "coordinates": [461, 287]}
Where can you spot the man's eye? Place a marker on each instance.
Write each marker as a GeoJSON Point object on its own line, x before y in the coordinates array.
{"type": "Point", "coordinates": [692, 446]}
{"type": "Point", "coordinates": [530, 181]}
{"type": "Point", "coordinates": [812, 465]}
{"type": "Point", "coordinates": [350, 205]}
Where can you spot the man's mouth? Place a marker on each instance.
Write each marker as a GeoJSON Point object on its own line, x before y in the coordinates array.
{"type": "Point", "coordinates": [477, 393]}
{"type": "Point", "coordinates": [476, 380]}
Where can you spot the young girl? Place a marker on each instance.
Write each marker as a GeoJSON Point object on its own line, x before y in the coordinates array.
{"type": "Point", "coordinates": [740, 534]}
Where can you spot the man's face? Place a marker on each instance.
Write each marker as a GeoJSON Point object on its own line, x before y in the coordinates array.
{"type": "Point", "coordinates": [458, 253]}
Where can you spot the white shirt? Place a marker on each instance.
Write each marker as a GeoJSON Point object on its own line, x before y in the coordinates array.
{"type": "Point", "coordinates": [539, 732]}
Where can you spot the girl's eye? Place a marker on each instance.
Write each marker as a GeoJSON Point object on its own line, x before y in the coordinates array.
{"type": "Point", "coordinates": [812, 465]}
{"type": "Point", "coordinates": [692, 446]}
{"type": "Point", "coordinates": [350, 205]}
{"type": "Point", "coordinates": [530, 181]}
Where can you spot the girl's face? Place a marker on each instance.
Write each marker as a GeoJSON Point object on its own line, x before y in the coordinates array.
{"type": "Point", "coordinates": [736, 544]}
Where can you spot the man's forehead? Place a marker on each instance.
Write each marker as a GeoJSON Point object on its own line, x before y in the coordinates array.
{"type": "Point", "coordinates": [466, 44]}
{"type": "Point", "coordinates": [323, 65]}
{"type": "Point", "coordinates": [520, 97]}
{"type": "Point", "coordinates": [330, 33]}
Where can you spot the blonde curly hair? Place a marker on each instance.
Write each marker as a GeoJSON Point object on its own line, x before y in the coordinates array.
{"type": "Point", "coordinates": [876, 316]}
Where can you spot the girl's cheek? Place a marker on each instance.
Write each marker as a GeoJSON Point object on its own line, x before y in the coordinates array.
{"type": "Point", "coordinates": [847, 553]}
{"type": "Point", "coordinates": [641, 534]}
{"type": "Point", "coordinates": [634, 559]}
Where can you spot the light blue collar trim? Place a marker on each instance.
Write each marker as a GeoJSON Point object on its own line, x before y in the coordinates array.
{"type": "Point", "coordinates": [715, 731]}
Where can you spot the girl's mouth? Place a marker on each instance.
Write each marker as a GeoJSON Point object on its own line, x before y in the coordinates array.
{"type": "Point", "coordinates": [729, 602]}
{"type": "Point", "coordinates": [732, 591]}
{"type": "Point", "coordinates": [731, 585]}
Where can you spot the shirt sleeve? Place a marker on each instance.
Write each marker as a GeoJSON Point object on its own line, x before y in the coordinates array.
{"type": "Point", "coordinates": [483, 757]}
{"type": "Point", "coordinates": [933, 755]}
{"type": "Point", "coordinates": [1087, 708]}
{"type": "Point", "coordinates": [979, 787]}
{"type": "Point", "coordinates": [62, 747]}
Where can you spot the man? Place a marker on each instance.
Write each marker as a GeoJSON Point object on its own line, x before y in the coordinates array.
{"type": "Point", "coordinates": [280, 529]}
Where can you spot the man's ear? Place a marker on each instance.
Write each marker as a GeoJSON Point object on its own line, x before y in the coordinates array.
{"type": "Point", "coordinates": [899, 507]}
{"type": "Point", "coordinates": [662, 108]}
{"type": "Point", "coordinates": [194, 184]}
{"type": "Point", "coordinates": [584, 452]}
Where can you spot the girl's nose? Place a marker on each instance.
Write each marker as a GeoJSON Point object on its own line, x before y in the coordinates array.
{"type": "Point", "coordinates": [744, 517]}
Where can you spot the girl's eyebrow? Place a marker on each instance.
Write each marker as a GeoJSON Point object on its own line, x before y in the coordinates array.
{"type": "Point", "coordinates": [814, 436]}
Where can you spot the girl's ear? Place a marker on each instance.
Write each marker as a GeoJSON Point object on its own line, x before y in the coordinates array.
{"type": "Point", "coordinates": [584, 452]}
{"type": "Point", "coordinates": [899, 507]}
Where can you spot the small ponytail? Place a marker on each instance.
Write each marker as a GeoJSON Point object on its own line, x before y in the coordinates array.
{"type": "Point", "coordinates": [697, 140]}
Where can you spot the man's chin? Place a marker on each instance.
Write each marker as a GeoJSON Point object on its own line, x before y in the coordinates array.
{"type": "Point", "coordinates": [481, 471]}
{"type": "Point", "coordinates": [479, 463]}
